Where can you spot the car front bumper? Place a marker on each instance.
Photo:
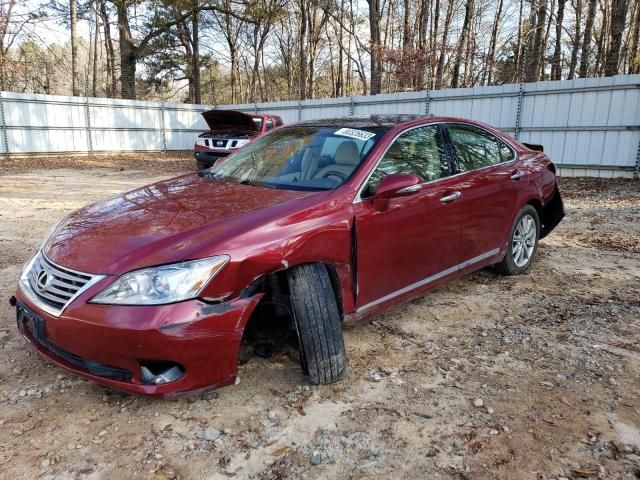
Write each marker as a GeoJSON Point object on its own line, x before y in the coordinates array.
{"type": "Point", "coordinates": [107, 343]}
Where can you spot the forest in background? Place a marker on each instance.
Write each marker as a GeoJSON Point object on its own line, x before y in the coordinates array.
{"type": "Point", "coordinates": [240, 51]}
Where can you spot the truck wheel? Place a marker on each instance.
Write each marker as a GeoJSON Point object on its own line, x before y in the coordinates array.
{"type": "Point", "coordinates": [523, 243]}
{"type": "Point", "coordinates": [317, 321]}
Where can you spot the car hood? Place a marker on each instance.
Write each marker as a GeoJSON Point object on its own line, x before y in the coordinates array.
{"type": "Point", "coordinates": [178, 219]}
{"type": "Point", "coordinates": [219, 119]}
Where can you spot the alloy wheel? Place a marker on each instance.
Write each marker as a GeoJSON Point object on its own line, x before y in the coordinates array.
{"type": "Point", "coordinates": [523, 242]}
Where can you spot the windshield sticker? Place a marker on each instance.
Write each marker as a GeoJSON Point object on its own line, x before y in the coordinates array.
{"type": "Point", "coordinates": [354, 133]}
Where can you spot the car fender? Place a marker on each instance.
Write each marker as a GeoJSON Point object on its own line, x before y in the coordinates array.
{"type": "Point", "coordinates": [323, 235]}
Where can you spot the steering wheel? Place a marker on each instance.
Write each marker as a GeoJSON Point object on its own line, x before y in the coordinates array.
{"type": "Point", "coordinates": [334, 173]}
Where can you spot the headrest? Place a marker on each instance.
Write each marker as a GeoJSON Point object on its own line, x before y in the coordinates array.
{"type": "Point", "coordinates": [347, 153]}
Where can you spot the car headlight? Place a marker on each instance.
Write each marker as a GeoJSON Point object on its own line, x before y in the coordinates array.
{"type": "Point", "coordinates": [164, 284]}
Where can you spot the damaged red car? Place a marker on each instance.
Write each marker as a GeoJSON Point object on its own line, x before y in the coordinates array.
{"type": "Point", "coordinates": [307, 229]}
{"type": "Point", "coordinates": [229, 131]}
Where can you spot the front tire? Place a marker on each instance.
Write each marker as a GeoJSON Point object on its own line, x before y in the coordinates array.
{"type": "Point", "coordinates": [522, 244]}
{"type": "Point", "coordinates": [317, 321]}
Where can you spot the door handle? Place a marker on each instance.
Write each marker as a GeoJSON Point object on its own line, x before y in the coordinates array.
{"type": "Point", "coordinates": [517, 175]}
{"type": "Point", "coordinates": [451, 197]}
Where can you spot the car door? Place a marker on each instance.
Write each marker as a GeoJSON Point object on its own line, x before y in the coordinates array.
{"type": "Point", "coordinates": [407, 242]}
{"type": "Point", "coordinates": [484, 165]}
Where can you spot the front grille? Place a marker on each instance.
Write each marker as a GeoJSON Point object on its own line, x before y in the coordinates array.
{"type": "Point", "coordinates": [216, 143]}
{"type": "Point", "coordinates": [54, 285]}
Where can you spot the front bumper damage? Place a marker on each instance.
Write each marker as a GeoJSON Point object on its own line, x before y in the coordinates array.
{"type": "Point", "coordinates": [111, 344]}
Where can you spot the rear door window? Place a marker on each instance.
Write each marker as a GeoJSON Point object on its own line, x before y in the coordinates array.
{"type": "Point", "coordinates": [476, 148]}
{"type": "Point", "coordinates": [269, 124]}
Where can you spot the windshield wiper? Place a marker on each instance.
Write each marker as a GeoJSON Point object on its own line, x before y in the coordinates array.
{"type": "Point", "coordinates": [206, 173]}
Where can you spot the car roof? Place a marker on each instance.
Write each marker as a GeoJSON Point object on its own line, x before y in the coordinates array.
{"type": "Point", "coordinates": [390, 121]}
{"type": "Point", "coordinates": [362, 122]}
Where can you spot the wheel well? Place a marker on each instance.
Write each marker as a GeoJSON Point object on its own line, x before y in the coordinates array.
{"type": "Point", "coordinates": [537, 204]}
{"type": "Point", "coordinates": [270, 327]}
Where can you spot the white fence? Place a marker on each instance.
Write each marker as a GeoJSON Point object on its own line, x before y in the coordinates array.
{"type": "Point", "coordinates": [587, 126]}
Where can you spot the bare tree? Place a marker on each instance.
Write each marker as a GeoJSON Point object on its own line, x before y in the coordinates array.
{"type": "Point", "coordinates": [73, 14]}
{"type": "Point", "coordinates": [556, 66]}
{"type": "Point", "coordinates": [376, 46]}
{"type": "Point", "coordinates": [619, 16]}
{"type": "Point", "coordinates": [586, 42]}
{"type": "Point", "coordinates": [468, 16]}
{"type": "Point", "coordinates": [576, 40]}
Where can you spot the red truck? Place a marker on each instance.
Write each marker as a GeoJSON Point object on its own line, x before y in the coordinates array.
{"type": "Point", "coordinates": [230, 130]}
{"type": "Point", "coordinates": [314, 226]}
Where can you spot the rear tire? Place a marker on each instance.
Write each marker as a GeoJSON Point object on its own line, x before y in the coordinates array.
{"type": "Point", "coordinates": [317, 320]}
{"type": "Point", "coordinates": [522, 244]}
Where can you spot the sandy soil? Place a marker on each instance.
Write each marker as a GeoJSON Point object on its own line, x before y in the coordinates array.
{"type": "Point", "coordinates": [534, 377]}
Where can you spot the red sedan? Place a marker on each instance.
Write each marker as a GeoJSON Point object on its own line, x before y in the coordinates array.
{"type": "Point", "coordinates": [308, 228]}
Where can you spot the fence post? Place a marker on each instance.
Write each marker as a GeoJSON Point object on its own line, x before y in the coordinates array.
{"type": "Point", "coordinates": [427, 102]}
{"type": "Point", "coordinates": [352, 107]}
{"type": "Point", "coordinates": [519, 111]}
{"type": "Point", "coordinates": [163, 128]}
{"type": "Point", "coordinates": [87, 117]}
{"type": "Point", "coordinates": [5, 138]}
{"type": "Point", "coordinates": [299, 111]}
{"type": "Point", "coordinates": [637, 172]}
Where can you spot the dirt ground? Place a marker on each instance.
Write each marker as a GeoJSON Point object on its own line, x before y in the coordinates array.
{"type": "Point", "coordinates": [530, 377]}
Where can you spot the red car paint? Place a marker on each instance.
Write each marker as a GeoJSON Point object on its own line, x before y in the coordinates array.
{"type": "Point", "coordinates": [221, 123]}
{"type": "Point", "coordinates": [383, 251]}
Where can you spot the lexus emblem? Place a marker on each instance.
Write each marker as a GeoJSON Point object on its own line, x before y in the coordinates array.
{"type": "Point", "coordinates": [43, 280]}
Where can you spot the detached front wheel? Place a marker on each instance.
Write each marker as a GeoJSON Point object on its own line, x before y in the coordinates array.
{"type": "Point", "coordinates": [523, 243]}
{"type": "Point", "coordinates": [317, 321]}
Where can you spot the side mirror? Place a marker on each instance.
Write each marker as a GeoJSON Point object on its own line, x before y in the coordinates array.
{"type": "Point", "coordinates": [398, 185]}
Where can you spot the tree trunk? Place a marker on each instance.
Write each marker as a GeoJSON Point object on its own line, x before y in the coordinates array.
{"type": "Point", "coordinates": [302, 50]}
{"type": "Point", "coordinates": [96, 35]}
{"type": "Point", "coordinates": [600, 44]}
{"type": "Point", "coordinates": [545, 43]}
{"type": "Point", "coordinates": [374, 29]}
{"type": "Point", "coordinates": [494, 39]}
{"type": "Point", "coordinates": [556, 67]}
{"type": "Point", "coordinates": [75, 80]}
{"type": "Point", "coordinates": [519, 43]}
{"type": "Point", "coordinates": [618, 19]}
{"type": "Point", "coordinates": [468, 15]}
{"type": "Point", "coordinates": [533, 57]}
{"type": "Point", "coordinates": [586, 42]}
{"type": "Point", "coordinates": [339, 88]}
{"type": "Point", "coordinates": [197, 91]}
{"type": "Point", "coordinates": [433, 38]}
{"type": "Point", "coordinates": [634, 61]}
{"type": "Point", "coordinates": [576, 41]}
{"type": "Point", "coordinates": [443, 47]}
{"type": "Point", "coordinates": [127, 53]}
{"type": "Point", "coordinates": [109, 52]}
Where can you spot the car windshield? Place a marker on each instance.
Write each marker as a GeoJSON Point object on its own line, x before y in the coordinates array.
{"type": "Point", "coordinates": [300, 158]}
